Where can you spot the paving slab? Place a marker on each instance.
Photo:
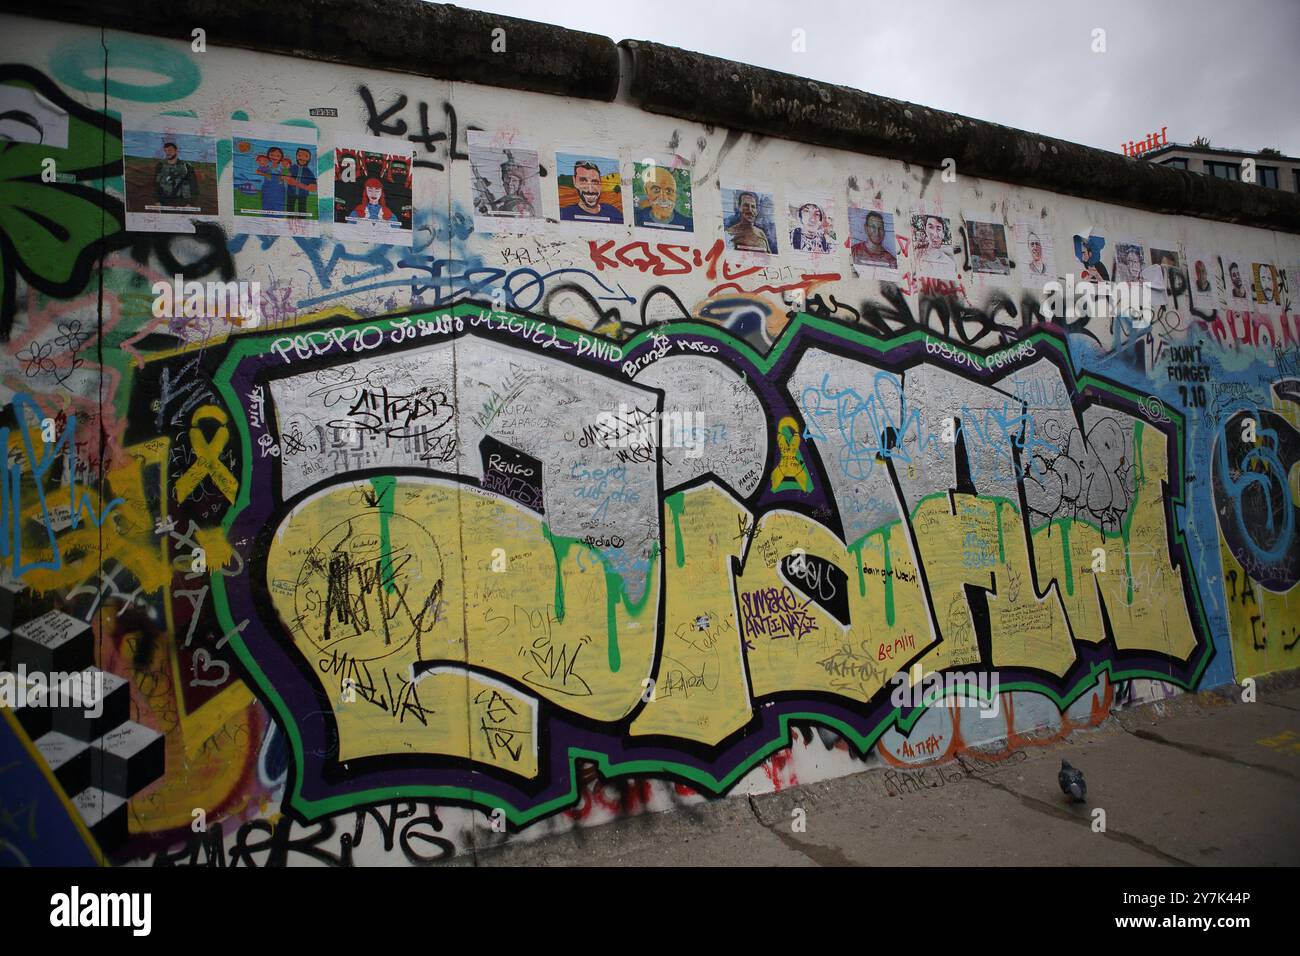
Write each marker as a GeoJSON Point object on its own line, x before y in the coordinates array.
{"type": "Point", "coordinates": [1170, 801]}
{"type": "Point", "coordinates": [967, 821]}
{"type": "Point", "coordinates": [1262, 735]}
{"type": "Point", "coordinates": [1198, 780]}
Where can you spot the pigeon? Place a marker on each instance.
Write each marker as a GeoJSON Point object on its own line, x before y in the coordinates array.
{"type": "Point", "coordinates": [1072, 783]}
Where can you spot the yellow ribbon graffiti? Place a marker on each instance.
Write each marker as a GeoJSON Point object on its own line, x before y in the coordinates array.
{"type": "Point", "coordinates": [789, 468]}
{"type": "Point", "coordinates": [207, 456]}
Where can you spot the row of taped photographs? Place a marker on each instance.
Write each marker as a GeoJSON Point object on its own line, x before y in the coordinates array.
{"type": "Point", "coordinates": [171, 175]}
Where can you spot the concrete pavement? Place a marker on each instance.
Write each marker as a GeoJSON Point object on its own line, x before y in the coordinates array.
{"type": "Point", "coordinates": [1199, 780]}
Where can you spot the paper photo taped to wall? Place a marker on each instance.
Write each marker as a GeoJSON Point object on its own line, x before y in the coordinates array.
{"type": "Point", "coordinates": [873, 244]}
{"type": "Point", "coordinates": [661, 195]}
{"type": "Point", "coordinates": [1166, 267]}
{"type": "Point", "coordinates": [1238, 284]}
{"type": "Point", "coordinates": [274, 179]}
{"type": "Point", "coordinates": [810, 223]}
{"type": "Point", "coordinates": [987, 242]}
{"type": "Point", "coordinates": [373, 186]}
{"type": "Point", "coordinates": [932, 255]}
{"type": "Point", "coordinates": [1129, 261]}
{"type": "Point", "coordinates": [749, 219]}
{"type": "Point", "coordinates": [1089, 247]}
{"type": "Point", "coordinates": [590, 187]}
{"type": "Point", "coordinates": [170, 172]}
{"type": "Point", "coordinates": [505, 182]}
{"type": "Point", "coordinates": [1035, 252]}
{"type": "Point", "coordinates": [1205, 280]}
{"type": "Point", "coordinates": [1265, 286]}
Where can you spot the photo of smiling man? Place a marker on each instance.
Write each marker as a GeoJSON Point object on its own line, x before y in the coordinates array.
{"type": "Point", "coordinates": [590, 188]}
{"type": "Point", "coordinates": [932, 253]}
{"type": "Point", "coordinates": [872, 243]}
{"type": "Point", "coordinates": [661, 195]}
{"type": "Point", "coordinates": [749, 220]}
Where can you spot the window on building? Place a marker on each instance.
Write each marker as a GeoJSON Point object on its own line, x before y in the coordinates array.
{"type": "Point", "coordinates": [1266, 176]}
{"type": "Point", "coordinates": [1175, 163]}
{"type": "Point", "coordinates": [1223, 170]}
{"type": "Point", "coordinates": [1295, 174]}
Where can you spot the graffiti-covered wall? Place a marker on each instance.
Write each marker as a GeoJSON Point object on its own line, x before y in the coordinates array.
{"type": "Point", "coordinates": [416, 465]}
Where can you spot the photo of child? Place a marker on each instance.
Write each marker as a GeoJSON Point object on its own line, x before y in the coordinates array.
{"type": "Point", "coordinates": [274, 181]}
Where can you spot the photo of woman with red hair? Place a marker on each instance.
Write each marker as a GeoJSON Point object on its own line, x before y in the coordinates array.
{"type": "Point", "coordinates": [372, 192]}
{"type": "Point", "coordinates": [373, 205]}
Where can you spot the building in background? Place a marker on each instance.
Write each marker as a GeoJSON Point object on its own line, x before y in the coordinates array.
{"type": "Point", "coordinates": [1271, 169]}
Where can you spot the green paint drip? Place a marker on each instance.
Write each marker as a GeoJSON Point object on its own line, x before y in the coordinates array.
{"type": "Point", "coordinates": [616, 591]}
{"type": "Point", "coordinates": [889, 579]}
{"type": "Point", "coordinates": [1137, 453]}
{"type": "Point", "coordinates": [611, 624]}
{"type": "Point", "coordinates": [1065, 551]}
{"type": "Point", "coordinates": [856, 550]}
{"type": "Point", "coordinates": [384, 486]}
{"type": "Point", "coordinates": [888, 576]}
{"type": "Point", "coordinates": [560, 546]}
{"type": "Point", "coordinates": [1002, 549]}
{"type": "Point", "coordinates": [677, 504]}
{"type": "Point", "coordinates": [615, 588]}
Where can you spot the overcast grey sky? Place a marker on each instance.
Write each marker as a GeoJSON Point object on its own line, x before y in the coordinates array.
{"type": "Point", "coordinates": [1225, 69]}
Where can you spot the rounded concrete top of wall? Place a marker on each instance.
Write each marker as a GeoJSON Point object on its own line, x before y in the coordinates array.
{"type": "Point", "coordinates": [451, 43]}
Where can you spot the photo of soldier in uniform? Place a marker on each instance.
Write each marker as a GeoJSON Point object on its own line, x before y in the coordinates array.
{"type": "Point", "coordinates": [505, 183]}
{"type": "Point", "coordinates": [170, 170]}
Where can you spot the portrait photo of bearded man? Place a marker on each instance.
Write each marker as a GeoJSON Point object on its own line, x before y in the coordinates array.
{"type": "Point", "coordinates": [661, 194]}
